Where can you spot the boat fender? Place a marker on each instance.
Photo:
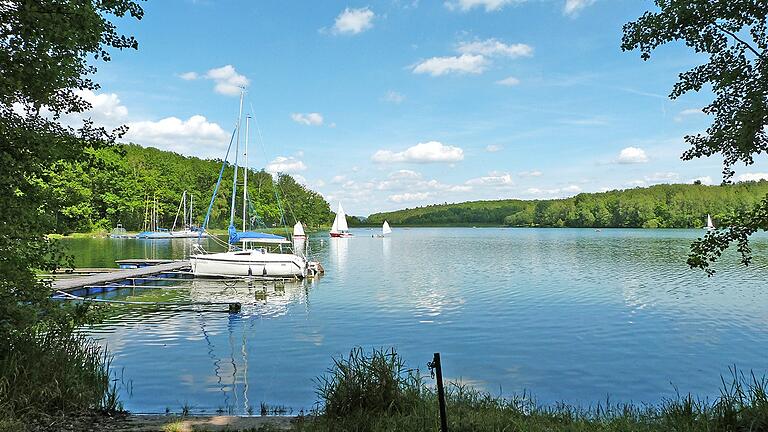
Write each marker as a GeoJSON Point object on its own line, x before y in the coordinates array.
{"type": "Point", "coordinates": [264, 273]}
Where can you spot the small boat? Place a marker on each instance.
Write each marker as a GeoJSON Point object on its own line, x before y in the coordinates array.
{"type": "Point", "coordinates": [340, 227]}
{"type": "Point", "coordinates": [710, 226]}
{"type": "Point", "coordinates": [385, 229]}
{"type": "Point", "coordinates": [189, 230]}
{"type": "Point", "coordinates": [119, 232]}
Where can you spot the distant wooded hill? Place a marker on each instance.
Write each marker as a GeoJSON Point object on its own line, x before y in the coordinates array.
{"type": "Point", "coordinates": [660, 206]}
{"type": "Point", "coordinates": [116, 183]}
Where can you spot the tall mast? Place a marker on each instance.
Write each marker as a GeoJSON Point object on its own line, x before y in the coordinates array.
{"type": "Point", "coordinates": [190, 211]}
{"type": "Point", "coordinates": [184, 206]}
{"type": "Point", "coordinates": [237, 151]}
{"type": "Point", "coordinates": [245, 174]}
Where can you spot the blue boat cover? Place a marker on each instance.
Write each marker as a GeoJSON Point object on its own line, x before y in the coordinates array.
{"type": "Point", "coordinates": [235, 236]}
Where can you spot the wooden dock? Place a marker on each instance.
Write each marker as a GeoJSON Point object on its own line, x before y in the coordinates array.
{"type": "Point", "coordinates": [74, 283]}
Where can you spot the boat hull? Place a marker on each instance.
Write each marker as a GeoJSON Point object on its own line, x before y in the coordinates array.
{"type": "Point", "coordinates": [249, 264]}
{"type": "Point", "coordinates": [340, 235]}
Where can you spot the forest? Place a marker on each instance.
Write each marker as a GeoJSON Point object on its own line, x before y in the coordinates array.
{"type": "Point", "coordinates": [119, 184]}
{"type": "Point", "coordinates": [660, 206]}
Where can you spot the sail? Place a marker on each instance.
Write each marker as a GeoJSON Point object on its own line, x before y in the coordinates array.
{"type": "Point", "coordinates": [342, 220]}
{"type": "Point", "coordinates": [298, 230]}
{"type": "Point", "coordinates": [385, 229]}
{"type": "Point", "coordinates": [335, 226]}
{"type": "Point", "coordinates": [709, 222]}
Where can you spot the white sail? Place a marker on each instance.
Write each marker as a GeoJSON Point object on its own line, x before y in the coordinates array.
{"type": "Point", "coordinates": [298, 229]}
{"type": "Point", "coordinates": [335, 226]}
{"type": "Point", "coordinates": [385, 229]}
{"type": "Point", "coordinates": [710, 226]}
{"type": "Point", "coordinates": [342, 220]}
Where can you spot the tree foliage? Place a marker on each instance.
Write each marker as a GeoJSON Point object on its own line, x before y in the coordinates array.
{"type": "Point", "coordinates": [732, 34]}
{"type": "Point", "coordinates": [115, 184]}
{"type": "Point", "coordinates": [660, 206]}
{"type": "Point", "coordinates": [46, 52]}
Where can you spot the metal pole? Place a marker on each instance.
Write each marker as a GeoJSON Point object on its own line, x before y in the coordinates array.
{"type": "Point", "coordinates": [440, 391]}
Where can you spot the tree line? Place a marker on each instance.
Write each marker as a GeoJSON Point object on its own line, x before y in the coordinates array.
{"type": "Point", "coordinates": [120, 183]}
{"type": "Point", "coordinates": [660, 206]}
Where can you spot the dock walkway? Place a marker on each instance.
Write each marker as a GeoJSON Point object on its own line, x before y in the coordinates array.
{"type": "Point", "coordinates": [74, 283]}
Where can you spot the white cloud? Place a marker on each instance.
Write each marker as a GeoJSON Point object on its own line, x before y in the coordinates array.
{"type": "Point", "coordinates": [489, 5]}
{"type": "Point", "coordinates": [227, 80]}
{"type": "Point", "coordinates": [632, 155]}
{"type": "Point", "coordinates": [353, 21]}
{"type": "Point", "coordinates": [283, 164]}
{"type": "Point", "coordinates": [686, 113]}
{"type": "Point", "coordinates": [463, 64]}
{"type": "Point", "coordinates": [753, 176]}
{"type": "Point", "coordinates": [189, 76]}
{"type": "Point", "coordinates": [394, 97]}
{"type": "Point", "coordinates": [428, 152]}
{"type": "Point", "coordinates": [192, 136]}
{"type": "Point", "coordinates": [405, 174]}
{"type": "Point", "coordinates": [573, 7]}
{"type": "Point", "coordinates": [563, 191]}
{"type": "Point", "coordinates": [106, 110]}
{"type": "Point", "coordinates": [532, 173]}
{"type": "Point", "coordinates": [509, 81]}
{"type": "Point", "coordinates": [657, 178]}
{"type": "Point", "coordinates": [707, 180]}
{"type": "Point", "coordinates": [494, 47]}
{"type": "Point", "coordinates": [493, 148]}
{"type": "Point", "coordinates": [338, 179]}
{"type": "Point", "coordinates": [494, 179]}
{"type": "Point", "coordinates": [408, 196]}
{"type": "Point", "coordinates": [309, 119]}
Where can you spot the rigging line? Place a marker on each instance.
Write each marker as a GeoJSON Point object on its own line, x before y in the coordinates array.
{"type": "Point", "coordinates": [262, 147]}
{"type": "Point", "coordinates": [216, 189]}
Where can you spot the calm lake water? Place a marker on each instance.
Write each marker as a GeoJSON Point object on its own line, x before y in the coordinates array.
{"type": "Point", "coordinates": [567, 314]}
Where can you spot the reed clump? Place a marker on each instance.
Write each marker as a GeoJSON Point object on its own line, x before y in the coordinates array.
{"type": "Point", "coordinates": [53, 371]}
{"type": "Point", "coordinates": [375, 391]}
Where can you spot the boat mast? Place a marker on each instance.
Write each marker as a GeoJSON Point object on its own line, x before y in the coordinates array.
{"type": "Point", "coordinates": [245, 174]}
{"type": "Point", "coordinates": [184, 205]}
{"type": "Point", "coordinates": [190, 211]}
{"type": "Point", "coordinates": [234, 177]}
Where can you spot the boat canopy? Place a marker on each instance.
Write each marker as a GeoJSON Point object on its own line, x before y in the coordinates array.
{"type": "Point", "coordinates": [256, 237]}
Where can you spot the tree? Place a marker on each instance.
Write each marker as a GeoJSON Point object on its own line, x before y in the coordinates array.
{"type": "Point", "coordinates": [45, 51]}
{"type": "Point", "coordinates": [732, 33]}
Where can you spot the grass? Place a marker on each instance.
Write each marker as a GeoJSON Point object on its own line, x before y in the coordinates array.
{"type": "Point", "coordinates": [53, 372]}
{"type": "Point", "coordinates": [375, 391]}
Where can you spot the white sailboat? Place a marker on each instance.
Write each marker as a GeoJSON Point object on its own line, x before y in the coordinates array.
{"type": "Point", "coordinates": [259, 254]}
{"type": "Point", "coordinates": [385, 229]}
{"type": "Point", "coordinates": [188, 228]}
{"type": "Point", "coordinates": [340, 227]}
{"type": "Point", "coordinates": [710, 226]}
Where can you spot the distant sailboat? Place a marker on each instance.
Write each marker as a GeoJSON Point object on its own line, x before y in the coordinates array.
{"type": "Point", "coordinates": [385, 229]}
{"type": "Point", "coordinates": [710, 226]}
{"type": "Point", "coordinates": [340, 227]}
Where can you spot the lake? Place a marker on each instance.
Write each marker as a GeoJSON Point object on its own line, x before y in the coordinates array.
{"type": "Point", "coordinates": [569, 315]}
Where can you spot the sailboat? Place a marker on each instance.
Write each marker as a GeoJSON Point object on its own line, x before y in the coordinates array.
{"type": "Point", "coordinates": [251, 253]}
{"type": "Point", "coordinates": [710, 226]}
{"type": "Point", "coordinates": [340, 227]}
{"type": "Point", "coordinates": [189, 230]}
{"type": "Point", "coordinates": [151, 229]}
{"type": "Point", "coordinates": [385, 229]}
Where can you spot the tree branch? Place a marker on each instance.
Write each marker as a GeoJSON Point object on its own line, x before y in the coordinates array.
{"type": "Point", "coordinates": [733, 35]}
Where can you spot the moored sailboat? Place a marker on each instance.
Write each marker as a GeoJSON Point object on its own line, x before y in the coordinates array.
{"type": "Point", "coordinates": [251, 253]}
{"type": "Point", "coordinates": [340, 227]}
{"type": "Point", "coordinates": [710, 226]}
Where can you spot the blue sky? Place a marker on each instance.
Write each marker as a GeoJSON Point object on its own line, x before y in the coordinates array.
{"type": "Point", "coordinates": [398, 103]}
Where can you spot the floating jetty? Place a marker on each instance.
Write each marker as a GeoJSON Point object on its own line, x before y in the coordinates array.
{"type": "Point", "coordinates": [130, 269]}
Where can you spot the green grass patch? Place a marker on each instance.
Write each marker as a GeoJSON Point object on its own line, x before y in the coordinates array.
{"type": "Point", "coordinates": [376, 391]}
{"type": "Point", "coordinates": [53, 372]}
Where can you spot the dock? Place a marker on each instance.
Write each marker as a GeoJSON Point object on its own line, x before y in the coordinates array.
{"type": "Point", "coordinates": [95, 279]}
